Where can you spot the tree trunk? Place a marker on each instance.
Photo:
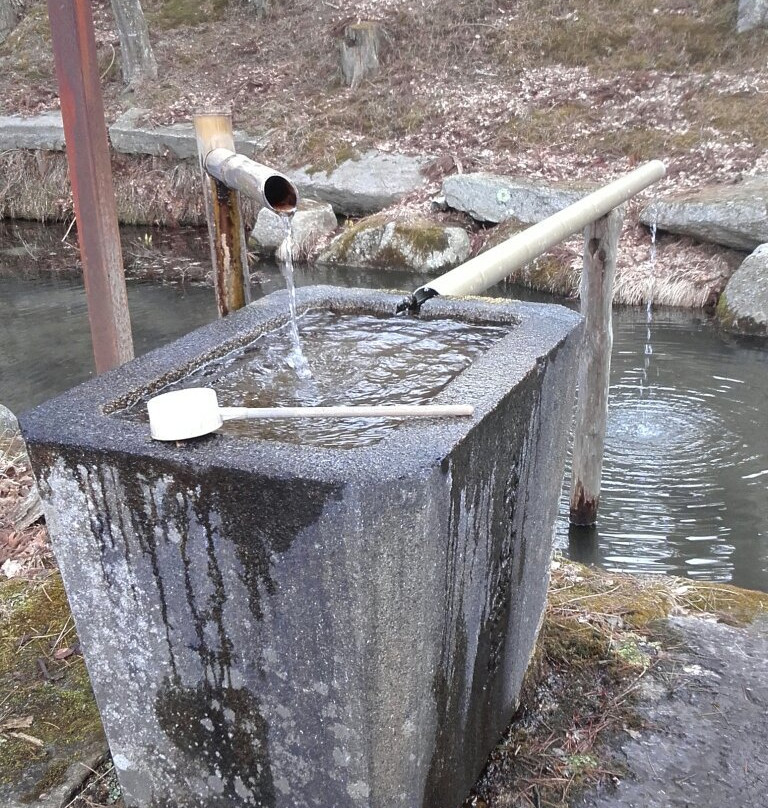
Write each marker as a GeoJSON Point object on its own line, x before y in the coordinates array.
{"type": "Point", "coordinates": [10, 14]}
{"type": "Point", "coordinates": [360, 48]}
{"type": "Point", "coordinates": [601, 240]}
{"type": "Point", "coordinates": [752, 14]}
{"type": "Point", "coordinates": [261, 7]}
{"type": "Point", "coordinates": [136, 56]}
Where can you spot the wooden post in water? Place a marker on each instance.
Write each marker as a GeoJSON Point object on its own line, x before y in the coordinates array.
{"type": "Point", "coordinates": [225, 222]}
{"type": "Point", "coordinates": [90, 172]}
{"type": "Point", "coordinates": [601, 241]}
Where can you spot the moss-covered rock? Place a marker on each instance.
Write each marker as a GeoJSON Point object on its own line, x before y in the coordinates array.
{"type": "Point", "coordinates": [382, 243]}
{"type": "Point", "coordinates": [743, 305]}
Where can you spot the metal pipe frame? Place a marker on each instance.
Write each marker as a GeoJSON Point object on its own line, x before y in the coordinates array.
{"type": "Point", "coordinates": [90, 171]}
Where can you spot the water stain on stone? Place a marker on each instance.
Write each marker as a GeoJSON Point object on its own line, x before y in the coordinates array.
{"type": "Point", "coordinates": [486, 526]}
{"type": "Point", "coordinates": [222, 729]}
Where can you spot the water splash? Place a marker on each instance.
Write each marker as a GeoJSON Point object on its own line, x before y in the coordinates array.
{"type": "Point", "coordinates": [296, 359]}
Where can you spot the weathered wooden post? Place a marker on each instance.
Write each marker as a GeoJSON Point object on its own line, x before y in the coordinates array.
{"type": "Point", "coordinates": [359, 50]}
{"type": "Point", "coordinates": [601, 241]}
{"type": "Point", "coordinates": [10, 11]}
{"type": "Point", "coordinates": [90, 171]}
{"type": "Point", "coordinates": [222, 212]}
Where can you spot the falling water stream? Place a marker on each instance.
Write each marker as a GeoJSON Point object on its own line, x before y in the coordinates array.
{"type": "Point", "coordinates": [297, 360]}
{"type": "Point", "coordinates": [645, 390]}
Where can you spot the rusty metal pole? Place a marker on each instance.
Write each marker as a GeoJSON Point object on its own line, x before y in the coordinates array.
{"type": "Point", "coordinates": [225, 222]}
{"type": "Point", "coordinates": [90, 172]}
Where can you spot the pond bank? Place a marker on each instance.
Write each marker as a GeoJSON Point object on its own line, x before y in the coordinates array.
{"type": "Point", "coordinates": [157, 183]}
{"type": "Point", "coordinates": [644, 691]}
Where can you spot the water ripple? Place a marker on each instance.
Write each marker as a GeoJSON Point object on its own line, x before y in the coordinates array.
{"type": "Point", "coordinates": [685, 475]}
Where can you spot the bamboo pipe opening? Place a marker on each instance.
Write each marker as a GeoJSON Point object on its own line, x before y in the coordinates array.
{"type": "Point", "coordinates": [280, 194]}
{"type": "Point", "coordinates": [268, 186]}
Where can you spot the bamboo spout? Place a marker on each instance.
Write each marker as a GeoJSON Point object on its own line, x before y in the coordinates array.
{"type": "Point", "coordinates": [269, 187]}
{"type": "Point", "coordinates": [487, 269]}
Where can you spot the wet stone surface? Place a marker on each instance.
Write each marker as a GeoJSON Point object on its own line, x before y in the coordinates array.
{"type": "Point", "coordinates": [707, 716]}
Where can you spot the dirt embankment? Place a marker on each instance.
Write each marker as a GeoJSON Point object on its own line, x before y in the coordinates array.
{"type": "Point", "coordinates": [583, 90]}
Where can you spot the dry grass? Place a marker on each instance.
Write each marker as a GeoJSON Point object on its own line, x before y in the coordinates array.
{"type": "Point", "coordinates": [682, 273]}
{"type": "Point", "coordinates": [669, 35]}
{"type": "Point", "coordinates": [594, 77]}
{"type": "Point", "coordinates": [569, 90]}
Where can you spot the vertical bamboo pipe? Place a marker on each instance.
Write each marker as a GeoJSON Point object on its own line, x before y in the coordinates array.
{"type": "Point", "coordinates": [601, 241]}
{"type": "Point", "coordinates": [225, 223]}
{"type": "Point", "coordinates": [90, 172]}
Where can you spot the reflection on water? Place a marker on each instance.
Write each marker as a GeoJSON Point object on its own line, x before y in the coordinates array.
{"type": "Point", "coordinates": [45, 343]}
{"type": "Point", "coordinates": [685, 483]}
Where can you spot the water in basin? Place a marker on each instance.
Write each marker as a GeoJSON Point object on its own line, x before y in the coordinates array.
{"type": "Point", "coordinates": [355, 359]}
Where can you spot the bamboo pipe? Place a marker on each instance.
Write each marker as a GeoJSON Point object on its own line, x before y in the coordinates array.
{"type": "Point", "coordinates": [229, 251]}
{"type": "Point", "coordinates": [487, 269]}
{"type": "Point", "coordinates": [270, 188]}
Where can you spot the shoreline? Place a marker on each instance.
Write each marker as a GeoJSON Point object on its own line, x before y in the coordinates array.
{"type": "Point", "coordinates": [164, 192]}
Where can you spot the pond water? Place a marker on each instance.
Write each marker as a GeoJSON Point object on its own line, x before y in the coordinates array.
{"type": "Point", "coordinates": [685, 483]}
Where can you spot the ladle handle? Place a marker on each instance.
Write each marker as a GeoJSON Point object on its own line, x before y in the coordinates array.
{"type": "Point", "coordinates": [381, 411]}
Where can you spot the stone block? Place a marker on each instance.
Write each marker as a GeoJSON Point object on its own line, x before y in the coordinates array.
{"type": "Point", "coordinates": [45, 131]}
{"type": "Point", "coordinates": [284, 624]}
{"type": "Point", "coordinates": [380, 242]}
{"type": "Point", "coordinates": [177, 140]}
{"type": "Point", "coordinates": [368, 184]}
{"type": "Point", "coordinates": [312, 221]}
{"type": "Point", "coordinates": [495, 198]}
{"type": "Point", "coordinates": [734, 216]}
{"type": "Point", "coordinates": [743, 305]}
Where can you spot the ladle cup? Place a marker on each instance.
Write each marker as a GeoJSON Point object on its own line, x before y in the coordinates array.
{"type": "Point", "coordinates": [195, 411]}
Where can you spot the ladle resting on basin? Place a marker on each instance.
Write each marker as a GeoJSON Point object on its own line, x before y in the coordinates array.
{"type": "Point", "coordinates": [191, 413]}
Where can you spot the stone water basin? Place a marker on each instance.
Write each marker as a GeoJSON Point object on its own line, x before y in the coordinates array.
{"type": "Point", "coordinates": [281, 621]}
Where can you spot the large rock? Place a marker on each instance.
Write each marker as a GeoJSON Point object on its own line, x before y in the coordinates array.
{"type": "Point", "coordinates": [495, 198]}
{"type": "Point", "coordinates": [8, 423]}
{"type": "Point", "coordinates": [312, 221]}
{"type": "Point", "coordinates": [365, 185]}
{"type": "Point", "coordinates": [12, 447]}
{"type": "Point", "coordinates": [418, 244]}
{"type": "Point", "coordinates": [178, 140]}
{"type": "Point", "coordinates": [44, 132]}
{"type": "Point", "coordinates": [752, 14]}
{"type": "Point", "coordinates": [743, 305]}
{"type": "Point", "coordinates": [732, 215]}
